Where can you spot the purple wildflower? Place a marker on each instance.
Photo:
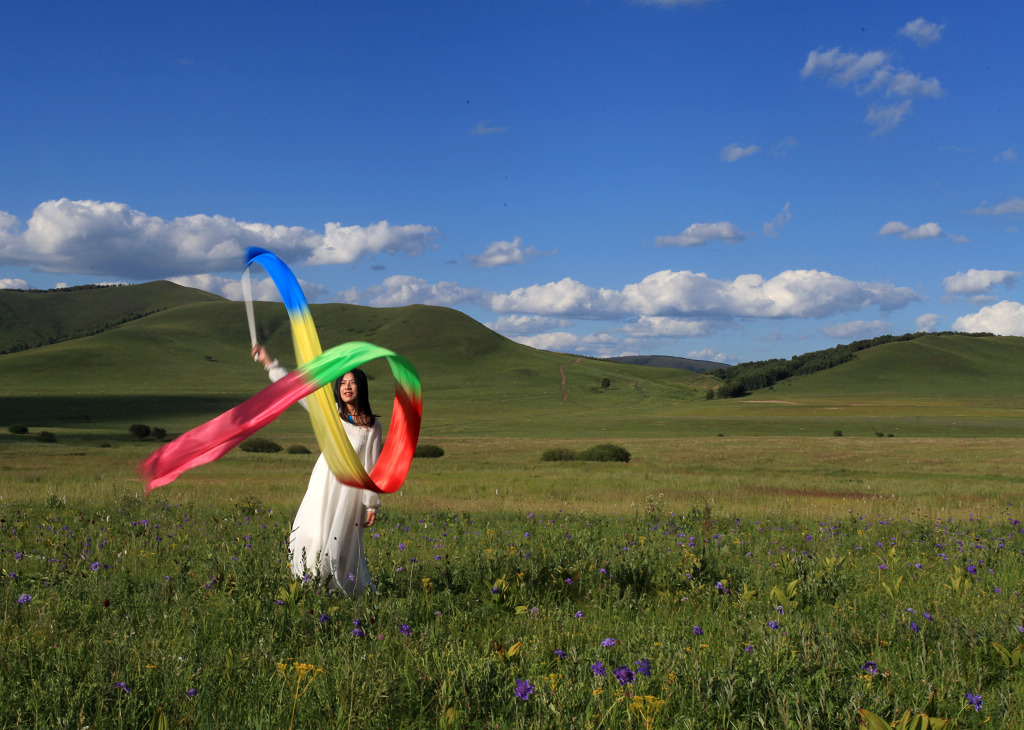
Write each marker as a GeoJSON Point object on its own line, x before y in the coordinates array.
{"type": "Point", "coordinates": [24, 598]}
{"type": "Point", "coordinates": [974, 701]}
{"type": "Point", "coordinates": [358, 633]}
{"type": "Point", "coordinates": [624, 675]}
{"type": "Point", "coordinates": [559, 653]}
{"type": "Point", "coordinates": [191, 692]}
{"type": "Point", "coordinates": [773, 625]}
{"type": "Point", "coordinates": [598, 669]}
{"type": "Point", "coordinates": [523, 689]}
{"type": "Point", "coordinates": [914, 627]}
{"type": "Point", "coordinates": [698, 631]}
{"type": "Point", "coordinates": [643, 667]}
{"type": "Point", "coordinates": [608, 642]}
{"type": "Point", "coordinates": [578, 614]}
{"type": "Point", "coordinates": [122, 685]}
{"type": "Point", "coordinates": [870, 667]}
{"type": "Point", "coordinates": [973, 571]}
{"type": "Point", "coordinates": [405, 629]}
{"type": "Point", "coordinates": [324, 618]}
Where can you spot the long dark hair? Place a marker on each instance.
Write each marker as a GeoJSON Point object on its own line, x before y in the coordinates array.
{"type": "Point", "coordinates": [364, 413]}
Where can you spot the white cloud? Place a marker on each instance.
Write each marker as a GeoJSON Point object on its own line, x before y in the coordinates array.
{"type": "Point", "coordinates": [647, 326]}
{"type": "Point", "coordinates": [482, 129]}
{"type": "Point", "coordinates": [1007, 155]}
{"type": "Point", "coordinates": [708, 354]}
{"type": "Point", "coordinates": [1014, 206]}
{"type": "Point", "coordinates": [978, 281]}
{"type": "Point", "coordinates": [1004, 318]}
{"type": "Point", "coordinates": [567, 297]}
{"type": "Point", "coordinates": [14, 284]}
{"type": "Point", "coordinates": [872, 73]}
{"type": "Point", "coordinates": [90, 237]}
{"type": "Point", "coordinates": [700, 233]}
{"type": "Point", "coordinates": [926, 322]}
{"type": "Point", "coordinates": [922, 32]}
{"type": "Point", "coordinates": [857, 330]}
{"type": "Point", "coordinates": [733, 152]}
{"type": "Point", "coordinates": [771, 228]}
{"type": "Point", "coordinates": [263, 288]}
{"type": "Point", "coordinates": [797, 294]}
{"type": "Point", "coordinates": [505, 253]}
{"type": "Point", "coordinates": [898, 228]}
{"type": "Point", "coordinates": [526, 324]}
{"type": "Point", "coordinates": [400, 291]}
{"type": "Point", "coordinates": [602, 344]}
{"type": "Point", "coordinates": [887, 118]}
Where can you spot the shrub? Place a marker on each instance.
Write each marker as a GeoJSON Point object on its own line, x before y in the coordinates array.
{"type": "Point", "coordinates": [559, 455]}
{"type": "Point", "coordinates": [158, 433]}
{"type": "Point", "coordinates": [606, 383]}
{"type": "Point", "coordinates": [17, 428]}
{"type": "Point", "coordinates": [259, 445]}
{"type": "Point", "coordinates": [837, 432]}
{"type": "Point", "coordinates": [605, 452]}
{"type": "Point", "coordinates": [139, 430]}
{"type": "Point", "coordinates": [46, 437]}
{"type": "Point", "coordinates": [298, 449]}
{"type": "Point", "coordinates": [428, 451]}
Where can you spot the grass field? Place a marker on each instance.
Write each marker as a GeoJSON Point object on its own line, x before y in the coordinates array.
{"type": "Point", "coordinates": [844, 541]}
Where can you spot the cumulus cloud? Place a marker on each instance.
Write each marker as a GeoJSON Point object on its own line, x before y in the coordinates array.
{"type": "Point", "coordinates": [922, 32]}
{"type": "Point", "coordinates": [857, 330]}
{"type": "Point", "coordinates": [978, 281]}
{"type": "Point", "coordinates": [400, 291]}
{"type": "Point", "coordinates": [482, 129]}
{"type": "Point", "coordinates": [771, 228]}
{"type": "Point", "coordinates": [796, 294]}
{"type": "Point", "coordinates": [1004, 318]}
{"type": "Point", "coordinates": [526, 324]}
{"type": "Point", "coordinates": [898, 228]}
{"type": "Point", "coordinates": [602, 344]}
{"type": "Point", "coordinates": [708, 354]}
{"type": "Point", "coordinates": [504, 253]}
{"type": "Point", "coordinates": [263, 288]}
{"type": "Point", "coordinates": [700, 233]}
{"type": "Point", "coordinates": [1014, 206]}
{"type": "Point", "coordinates": [1007, 155]}
{"type": "Point", "coordinates": [90, 237]}
{"type": "Point", "coordinates": [926, 322]}
{"type": "Point", "coordinates": [668, 327]}
{"type": "Point", "coordinates": [733, 152]}
{"type": "Point", "coordinates": [14, 284]}
{"type": "Point", "coordinates": [872, 74]}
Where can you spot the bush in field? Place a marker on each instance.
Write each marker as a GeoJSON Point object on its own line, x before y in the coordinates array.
{"type": "Point", "coordinates": [139, 430]}
{"type": "Point", "coordinates": [259, 445]}
{"type": "Point", "coordinates": [46, 437]}
{"type": "Point", "coordinates": [17, 428]}
{"type": "Point", "coordinates": [428, 451]}
{"type": "Point", "coordinates": [298, 449]}
{"type": "Point", "coordinates": [559, 455]}
{"type": "Point", "coordinates": [158, 433]}
{"type": "Point", "coordinates": [837, 432]}
{"type": "Point", "coordinates": [605, 452]}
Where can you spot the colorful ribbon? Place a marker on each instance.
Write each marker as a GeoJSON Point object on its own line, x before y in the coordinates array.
{"type": "Point", "coordinates": [313, 377]}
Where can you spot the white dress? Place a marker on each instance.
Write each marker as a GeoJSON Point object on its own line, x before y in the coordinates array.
{"type": "Point", "coordinates": [327, 535]}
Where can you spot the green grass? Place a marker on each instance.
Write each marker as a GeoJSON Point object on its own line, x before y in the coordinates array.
{"type": "Point", "coordinates": [145, 611]}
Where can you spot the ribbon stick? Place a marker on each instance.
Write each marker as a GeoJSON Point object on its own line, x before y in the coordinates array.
{"type": "Point", "coordinates": [313, 377]}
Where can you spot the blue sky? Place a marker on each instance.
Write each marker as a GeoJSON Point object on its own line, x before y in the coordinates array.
{"type": "Point", "coordinates": [728, 180]}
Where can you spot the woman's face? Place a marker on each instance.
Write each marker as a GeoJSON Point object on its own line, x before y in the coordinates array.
{"type": "Point", "coordinates": [348, 390]}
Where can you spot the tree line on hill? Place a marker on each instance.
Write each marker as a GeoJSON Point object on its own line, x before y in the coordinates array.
{"type": "Point", "coordinates": [740, 380]}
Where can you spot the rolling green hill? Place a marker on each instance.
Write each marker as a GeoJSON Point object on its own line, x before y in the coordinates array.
{"type": "Point", "coordinates": [189, 362]}
{"type": "Point", "coordinates": [32, 318]}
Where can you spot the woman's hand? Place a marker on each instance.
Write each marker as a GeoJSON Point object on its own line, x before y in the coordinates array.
{"type": "Point", "coordinates": [371, 517]}
{"type": "Point", "coordinates": [260, 355]}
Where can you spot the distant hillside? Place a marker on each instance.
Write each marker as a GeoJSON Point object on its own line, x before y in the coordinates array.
{"type": "Point", "coordinates": [189, 362]}
{"type": "Point", "coordinates": [32, 318]}
{"type": "Point", "coordinates": [667, 361]}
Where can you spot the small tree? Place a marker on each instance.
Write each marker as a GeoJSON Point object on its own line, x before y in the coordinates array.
{"type": "Point", "coordinates": [606, 383]}
{"type": "Point", "coordinates": [139, 430]}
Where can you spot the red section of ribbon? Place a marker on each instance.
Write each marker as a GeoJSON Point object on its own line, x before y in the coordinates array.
{"type": "Point", "coordinates": [215, 438]}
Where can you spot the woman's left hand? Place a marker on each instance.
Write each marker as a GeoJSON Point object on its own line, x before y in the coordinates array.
{"type": "Point", "coordinates": [371, 517]}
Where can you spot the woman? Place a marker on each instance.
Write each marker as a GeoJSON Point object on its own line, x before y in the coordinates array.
{"type": "Point", "coordinates": [327, 534]}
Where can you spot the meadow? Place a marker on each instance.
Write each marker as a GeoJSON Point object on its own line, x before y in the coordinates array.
{"type": "Point", "coordinates": [840, 549]}
{"type": "Point", "coordinates": [715, 582]}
